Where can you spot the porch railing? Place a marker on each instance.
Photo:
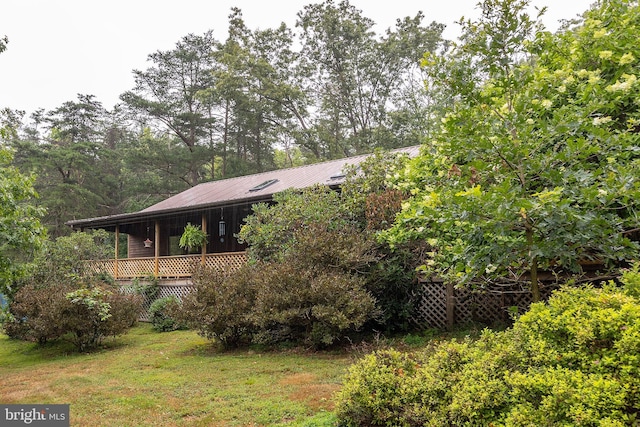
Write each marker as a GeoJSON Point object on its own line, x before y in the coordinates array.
{"type": "Point", "coordinates": [180, 266]}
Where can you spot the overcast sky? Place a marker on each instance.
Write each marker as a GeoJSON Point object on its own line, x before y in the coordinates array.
{"type": "Point", "coordinates": [59, 48]}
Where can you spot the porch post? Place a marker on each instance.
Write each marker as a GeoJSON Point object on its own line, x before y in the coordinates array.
{"type": "Point", "coordinates": [204, 228]}
{"type": "Point", "coordinates": [451, 306]}
{"type": "Point", "coordinates": [156, 249]}
{"type": "Point", "coordinates": [115, 266]}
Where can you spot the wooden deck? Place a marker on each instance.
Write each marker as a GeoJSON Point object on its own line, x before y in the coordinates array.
{"type": "Point", "coordinates": [180, 266]}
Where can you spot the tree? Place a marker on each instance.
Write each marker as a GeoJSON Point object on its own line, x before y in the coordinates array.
{"type": "Point", "coordinates": [535, 165]}
{"type": "Point", "coordinates": [166, 98]}
{"type": "Point", "coordinates": [3, 43]}
{"type": "Point", "coordinates": [21, 233]}
{"type": "Point", "coordinates": [154, 167]}
{"type": "Point", "coordinates": [10, 122]}
{"type": "Point", "coordinates": [76, 162]}
{"type": "Point", "coordinates": [260, 103]}
{"type": "Point", "coordinates": [357, 77]}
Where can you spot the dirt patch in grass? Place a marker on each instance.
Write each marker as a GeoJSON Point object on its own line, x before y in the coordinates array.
{"type": "Point", "coordinates": [306, 388]}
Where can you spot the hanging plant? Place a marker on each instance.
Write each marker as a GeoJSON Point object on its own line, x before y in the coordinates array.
{"type": "Point", "coordinates": [192, 238]}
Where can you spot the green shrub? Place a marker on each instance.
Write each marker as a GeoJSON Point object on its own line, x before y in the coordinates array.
{"type": "Point", "coordinates": [64, 260]}
{"type": "Point", "coordinates": [36, 313]}
{"type": "Point", "coordinates": [572, 361]}
{"type": "Point", "coordinates": [272, 302]}
{"type": "Point", "coordinates": [314, 293]}
{"type": "Point", "coordinates": [306, 306]}
{"type": "Point", "coordinates": [125, 310]}
{"type": "Point", "coordinates": [98, 312]}
{"type": "Point", "coordinates": [219, 305]}
{"type": "Point", "coordinates": [321, 231]}
{"type": "Point", "coordinates": [62, 297]}
{"type": "Point", "coordinates": [372, 394]}
{"type": "Point", "coordinates": [162, 314]}
{"type": "Point", "coordinates": [271, 229]}
{"type": "Point", "coordinates": [86, 314]}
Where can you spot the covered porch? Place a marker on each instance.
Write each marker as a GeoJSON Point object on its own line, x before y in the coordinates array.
{"type": "Point", "coordinates": [166, 267]}
{"type": "Point", "coordinates": [147, 244]}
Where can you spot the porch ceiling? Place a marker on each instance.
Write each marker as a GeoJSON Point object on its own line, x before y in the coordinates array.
{"type": "Point", "coordinates": [109, 222]}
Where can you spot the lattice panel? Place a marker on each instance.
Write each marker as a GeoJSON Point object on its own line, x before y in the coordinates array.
{"type": "Point", "coordinates": [431, 306]}
{"type": "Point", "coordinates": [179, 291]}
{"type": "Point", "coordinates": [470, 305]}
{"type": "Point", "coordinates": [146, 301]}
{"type": "Point", "coordinates": [164, 290]}
{"type": "Point", "coordinates": [488, 307]}
{"type": "Point", "coordinates": [465, 305]}
{"type": "Point", "coordinates": [101, 266]}
{"type": "Point", "coordinates": [226, 261]}
{"type": "Point", "coordinates": [168, 267]}
{"type": "Point", "coordinates": [522, 300]}
{"type": "Point", "coordinates": [179, 266]}
{"type": "Point", "coordinates": [136, 267]}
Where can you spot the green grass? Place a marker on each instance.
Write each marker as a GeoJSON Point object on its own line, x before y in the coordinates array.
{"type": "Point", "coordinates": [173, 379]}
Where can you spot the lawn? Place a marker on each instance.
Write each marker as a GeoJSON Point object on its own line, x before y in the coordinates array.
{"type": "Point", "coordinates": [173, 379]}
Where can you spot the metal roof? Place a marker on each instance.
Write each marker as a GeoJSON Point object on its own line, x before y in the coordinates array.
{"type": "Point", "coordinates": [241, 189]}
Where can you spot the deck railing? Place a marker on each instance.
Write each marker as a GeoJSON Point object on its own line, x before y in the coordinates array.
{"type": "Point", "coordinates": [180, 266]}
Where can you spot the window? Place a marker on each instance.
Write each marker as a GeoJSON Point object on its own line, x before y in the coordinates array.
{"type": "Point", "coordinates": [263, 185]}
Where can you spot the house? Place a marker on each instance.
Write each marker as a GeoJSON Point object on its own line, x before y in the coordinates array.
{"type": "Point", "coordinates": [219, 207]}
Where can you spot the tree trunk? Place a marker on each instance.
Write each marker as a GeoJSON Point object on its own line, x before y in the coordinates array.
{"type": "Point", "coordinates": [533, 265]}
{"type": "Point", "coordinates": [535, 285]}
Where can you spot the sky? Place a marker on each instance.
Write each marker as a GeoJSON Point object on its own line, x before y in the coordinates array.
{"type": "Point", "coordinates": [60, 48]}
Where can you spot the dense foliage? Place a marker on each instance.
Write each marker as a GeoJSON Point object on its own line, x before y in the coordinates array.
{"type": "Point", "coordinates": [208, 109]}
{"type": "Point", "coordinates": [218, 306]}
{"type": "Point", "coordinates": [320, 230]}
{"type": "Point", "coordinates": [535, 165]}
{"type": "Point", "coordinates": [316, 294]}
{"type": "Point", "coordinates": [161, 314]}
{"type": "Point", "coordinates": [269, 230]}
{"type": "Point", "coordinates": [571, 361]}
{"type": "Point", "coordinates": [313, 295]}
{"type": "Point", "coordinates": [316, 273]}
{"type": "Point", "coordinates": [60, 298]}
{"type": "Point", "coordinates": [84, 312]}
{"type": "Point", "coordinates": [21, 233]}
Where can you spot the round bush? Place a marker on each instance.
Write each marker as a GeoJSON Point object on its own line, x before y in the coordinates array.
{"type": "Point", "coordinates": [571, 361]}
{"type": "Point", "coordinates": [36, 313]}
{"type": "Point", "coordinates": [160, 313]}
{"type": "Point", "coordinates": [86, 314]}
{"type": "Point", "coordinates": [218, 307]}
{"type": "Point", "coordinates": [371, 395]}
